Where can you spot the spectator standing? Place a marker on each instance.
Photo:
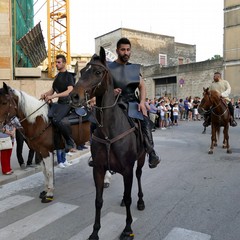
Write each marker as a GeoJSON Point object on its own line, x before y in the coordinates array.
{"type": "Point", "coordinates": [5, 155]}
{"type": "Point", "coordinates": [162, 110]}
{"type": "Point", "coordinates": [190, 109]}
{"type": "Point", "coordinates": [181, 108]}
{"type": "Point", "coordinates": [185, 102]}
{"type": "Point", "coordinates": [19, 149]}
{"type": "Point", "coordinates": [196, 103]}
{"type": "Point", "coordinates": [175, 110]}
{"type": "Point", "coordinates": [153, 113]}
{"type": "Point", "coordinates": [237, 109]}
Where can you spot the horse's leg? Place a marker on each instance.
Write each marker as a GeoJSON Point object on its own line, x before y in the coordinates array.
{"type": "Point", "coordinates": [140, 203]}
{"type": "Point", "coordinates": [44, 192]}
{"type": "Point", "coordinates": [98, 175]}
{"type": "Point", "coordinates": [226, 137]}
{"type": "Point", "coordinates": [213, 140]}
{"type": "Point", "coordinates": [127, 233]}
{"type": "Point", "coordinates": [48, 165]}
{"type": "Point", "coordinates": [204, 130]}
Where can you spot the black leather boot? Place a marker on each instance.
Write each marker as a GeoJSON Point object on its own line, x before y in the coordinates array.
{"type": "Point", "coordinates": [146, 125]}
{"type": "Point", "coordinates": [207, 120]}
{"type": "Point", "coordinates": [233, 123]}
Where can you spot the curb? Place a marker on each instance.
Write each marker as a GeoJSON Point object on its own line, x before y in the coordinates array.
{"type": "Point", "coordinates": [19, 173]}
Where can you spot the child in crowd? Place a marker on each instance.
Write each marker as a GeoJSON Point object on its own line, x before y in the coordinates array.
{"type": "Point", "coordinates": [175, 114]}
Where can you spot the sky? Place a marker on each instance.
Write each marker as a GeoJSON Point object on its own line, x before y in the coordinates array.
{"type": "Point", "coordinates": [197, 22]}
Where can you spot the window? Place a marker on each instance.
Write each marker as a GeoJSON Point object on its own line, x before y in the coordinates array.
{"type": "Point", "coordinates": [163, 59]}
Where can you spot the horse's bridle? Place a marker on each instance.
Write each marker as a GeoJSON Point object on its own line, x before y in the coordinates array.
{"type": "Point", "coordinates": [97, 85]}
{"type": "Point", "coordinates": [94, 87]}
{"type": "Point", "coordinates": [13, 104]}
{"type": "Point", "coordinates": [8, 120]}
{"type": "Point", "coordinates": [211, 110]}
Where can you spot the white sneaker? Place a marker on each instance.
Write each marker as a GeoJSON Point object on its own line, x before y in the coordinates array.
{"type": "Point", "coordinates": [67, 164]}
{"type": "Point", "coordinates": [61, 165]}
{"type": "Point", "coordinates": [70, 154]}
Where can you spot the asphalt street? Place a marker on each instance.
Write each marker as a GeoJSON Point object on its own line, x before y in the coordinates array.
{"type": "Point", "coordinates": [191, 195]}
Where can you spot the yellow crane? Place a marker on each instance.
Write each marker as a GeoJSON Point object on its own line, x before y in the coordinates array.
{"type": "Point", "coordinates": [58, 33]}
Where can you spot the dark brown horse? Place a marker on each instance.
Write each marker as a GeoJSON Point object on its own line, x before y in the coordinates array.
{"type": "Point", "coordinates": [114, 143]}
{"type": "Point", "coordinates": [215, 105]}
{"type": "Point", "coordinates": [38, 131]}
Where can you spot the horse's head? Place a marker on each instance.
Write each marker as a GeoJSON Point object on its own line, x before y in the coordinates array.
{"type": "Point", "coordinates": [93, 80]}
{"type": "Point", "coordinates": [209, 100]}
{"type": "Point", "coordinates": [8, 104]}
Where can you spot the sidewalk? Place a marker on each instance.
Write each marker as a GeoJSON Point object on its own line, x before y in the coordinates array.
{"type": "Point", "coordinates": [19, 173]}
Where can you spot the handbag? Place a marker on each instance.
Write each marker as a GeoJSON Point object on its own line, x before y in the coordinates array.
{"type": "Point", "coordinates": [6, 143]}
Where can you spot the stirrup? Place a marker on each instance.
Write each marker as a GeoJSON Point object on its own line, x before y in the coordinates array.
{"type": "Point", "coordinates": [233, 123]}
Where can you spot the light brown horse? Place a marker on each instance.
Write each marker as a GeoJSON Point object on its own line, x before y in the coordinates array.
{"type": "Point", "coordinates": [38, 130]}
{"type": "Point", "coordinates": [212, 103]}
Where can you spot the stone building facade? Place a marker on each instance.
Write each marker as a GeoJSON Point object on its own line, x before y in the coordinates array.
{"type": "Point", "coordinates": [148, 48]}
{"type": "Point", "coordinates": [231, 53]}
{"type": "Point", "coordinates": [180, 77]}
{"type": "Point", "coordinates": [180, 81]}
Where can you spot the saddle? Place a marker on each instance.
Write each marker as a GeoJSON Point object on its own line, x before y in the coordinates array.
{"type": "Point", "coordinates": [77, 116]}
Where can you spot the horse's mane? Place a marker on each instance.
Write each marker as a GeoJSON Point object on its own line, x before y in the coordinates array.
{"type": "Point", "coordinates": [28, 104]}
{"type": "Point", "coordinates": [212, 92]}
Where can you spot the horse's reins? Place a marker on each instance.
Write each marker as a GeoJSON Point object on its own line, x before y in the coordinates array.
{"type": "Point", "coordinates": [211, 110]}
{"type": "Point", "coordinates": [20, 121]}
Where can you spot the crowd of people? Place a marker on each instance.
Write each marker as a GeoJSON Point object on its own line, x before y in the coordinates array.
{"type": "Point", "coordinates": [165, 112]}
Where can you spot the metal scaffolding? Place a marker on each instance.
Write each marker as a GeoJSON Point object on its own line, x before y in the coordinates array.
{"type": "Point", "coordinates": [58, 33]}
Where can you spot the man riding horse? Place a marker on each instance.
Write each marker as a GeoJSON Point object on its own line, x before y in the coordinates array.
{"type": "Point", "coordinates": [62, 85]}
{"type": "Point", "coordinates": [224, 88]}
{"type": "Point", "coordinates": [127, 79]}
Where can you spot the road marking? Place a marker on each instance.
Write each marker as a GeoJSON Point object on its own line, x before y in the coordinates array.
{"type": "Point", "coordinates": [112, 224]}
{"type": "Point", "coordinates": [36, 221]}
{"type": "Point", "coordinates": [13, 201]}
{"type": "Point", "coordinates": [184, 234]}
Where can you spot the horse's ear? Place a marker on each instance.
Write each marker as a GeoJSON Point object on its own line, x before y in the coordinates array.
{"type": "Point", "coordinates": [5, 87]}
{"type": "Point", "coordinates": [204, 89]}
{"type": "Point", "coordinates": [102, 55]}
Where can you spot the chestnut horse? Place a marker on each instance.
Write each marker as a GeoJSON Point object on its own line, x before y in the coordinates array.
{"type": "Point", "coordinates": [37, 129]}
{"type": "Point", "coordinates": [114, 142]}
{"type": "Point", "coordinates": [215, 105]}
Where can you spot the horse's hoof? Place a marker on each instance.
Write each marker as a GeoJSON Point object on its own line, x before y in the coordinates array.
{"type": "Point", "coordinates": [126, 236]}
{"type": "Point", "coordinates": [229, 151]}
{"type": "Point", "coordinates": [106, 185]}
{"type": "Point", "coordinates": [210, 152]}
{"type": "Point", "coordinates": [47, 199]}
{"type": "Point", "coordinates": [140, 206]}
{"type": "Point", "coordinates": [42, 194]}
{"type": "Point", "coordinates": [91, 237]}
{"type": "Point", "coordinates": [122, 204]}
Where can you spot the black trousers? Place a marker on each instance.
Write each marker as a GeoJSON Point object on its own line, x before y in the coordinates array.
{"type": "Point", "coordinates": [19, 148]}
